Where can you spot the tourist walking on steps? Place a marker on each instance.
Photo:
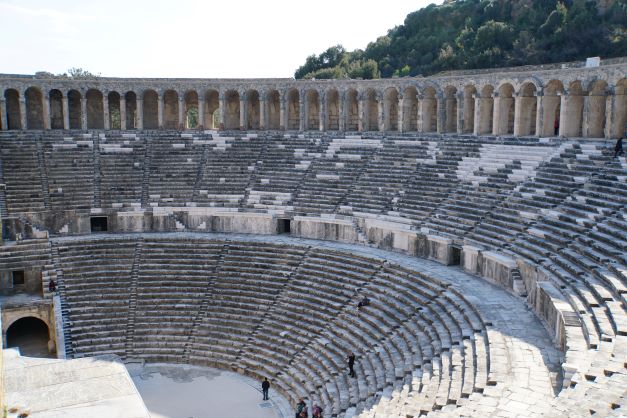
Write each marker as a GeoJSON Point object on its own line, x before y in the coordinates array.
{"type": "Point", "coordinates": [265, 387]}
{"type": "Point", "coordinates": [618, 148]}
{"type": "Point", "coordinates": [316, 412]}
{"type": "Point", "coordinates": [301, 407]}
{"type": "Point", "coordinates": [364, 302]}
{"type": "Point", "coordinates": [351, 363]}
{"type": "Point", "coordinates": [52, 286]}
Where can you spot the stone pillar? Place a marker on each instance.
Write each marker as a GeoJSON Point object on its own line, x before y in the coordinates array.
{"type": "Point", "coordinates": [242, 113]}
{"type": "Point", "coordinates": [380, 121]}
{"type": "Point", "coordinates": [322, 115]}
{"type": "Point", "coordinates": [476, 131]}
{"type": "Point", "coordinates": [22, 105]}
{"type": "Point", "coordinates": [140, 113]}
{"type": "Point", "coordinates": [539, 113]}
{"type": "Point", "coordinates": [420, 116]}
{"type": "Point", "coordinates": [222, 111]}
{"type": "Point", "coordinates": [518, 108]}
{"type": "Point", "coordinates": [66, 112]}
{"type": "Point", "coordinates": [401, 103]}
{"type": "Point", "coordinates": [83, 113]}
{"type": "Point", "coordinates": [496, 114]}
{"type": "Point", "coordinates": [262, 112]}
{"type": "Point", "coordinates": [46, 112]}
{"type": "Point", "coordinates": [282, 114]}
{"type": "Point", "coordinates": [610, 116]}
{"type": "Point", "coordinates": [201, 113]}
{"type": "Point", "coordinates": [105, 111]}
{"type": "Point", "coordinates": [122, 113]}
{"type": "Point", "coordinates": [342, 112]}
{"type": "Point", "coordinates": [302, 111]}
{"type": "Point", "coordinates": [563, 114]}
{"type": "Point", "coordinates": [360, 114]}
{"type": "Point", "coordinates": [460, 113]}
{"type": "Point", "coordinates": [181, 117]}
{"type": "Point", "coordinates": [3, 113]}
{"type": "Point", "coordinates": [441, 114]}
{"type": "Point", "coordinates": [160, 106]}
{"type": "Point", "coordinates": [585, 122]}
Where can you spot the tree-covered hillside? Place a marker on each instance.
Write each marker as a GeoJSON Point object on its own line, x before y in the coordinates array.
{"type": "Point", "coordinates": [467, 34]}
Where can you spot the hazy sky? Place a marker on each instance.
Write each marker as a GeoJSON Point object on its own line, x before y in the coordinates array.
{"type": "Point", "coordinates": [186, 38]}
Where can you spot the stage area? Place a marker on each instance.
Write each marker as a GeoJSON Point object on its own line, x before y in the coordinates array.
{"type": "Point", "coordinates": [181, 391]}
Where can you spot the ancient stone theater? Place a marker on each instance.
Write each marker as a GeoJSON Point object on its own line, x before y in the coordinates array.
{"type": "Point", "coordinates": [237, 224]}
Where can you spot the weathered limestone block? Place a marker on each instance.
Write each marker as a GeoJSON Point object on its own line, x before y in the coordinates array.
{"type": "Point", "coordinates": [244, 223]}
{"type": "Point", "coordinates": [497, 268]}
{"type": "Point", "coordinates": [326, 229]}
{"type": "Point", "coordinates": [470, 258]}
{"type": "Point", "coordinates": [440, 249]}
{"type": "Point", "coordinates": [131, 221]}
{"type": "Point", "coordinates": [391, 235]}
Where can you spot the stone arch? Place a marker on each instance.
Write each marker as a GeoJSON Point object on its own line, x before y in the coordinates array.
{"type": "Point", "coordinates": [14, 119]}
{"type": "Point", "coordinates": [551, 107]}
{"type": "Point", "coordinates": [231, 110]}
{"type": "Point", "coordinates": [504, 110]}
{"type": "Point", "coordinates": [371, 111]}
{"type": "Point", "coordinates": [151, 110]}
{"type": "Point", "coordinates": [620, 109]}
{"type": "Point", "coordinates": [170, 109]}
{"type": "Point", "coordinates": [212, 109]}
{"type": "Point", "coordinates": [253, 110]}
{"type": "Point", "coordinates": [75, 110]}
{"type": "Point", "coordinates": [95, 111]}
{"type": "Point", "coordinates": [527, 109]}
{"type": "Point", "coordinates": [190, 112]}
{"type": "Point", "coordinates": [596, 109]}
{"type": "Point", "coordinates": [31, 335]}
{"type": "Point", "coordinates": [293, 109]}
{"type": "Point", "coordinates": [572, 114]}
{"type": "Point", "coordinates": [429, 110]}
{"type": "Point", "coordinates": [273, 103]}
{"type": "Point", "coordinates": [486, 111]}
{"type": "Point", "coordinates": [333, 110]}
{"type": "Point", "coordinates": [312, 110]}
{"type": "Point", "coordinates": [56, 109]}
{"type": "Point", "coordinates": [130, 99]}
{"type": "Point", "coordinates": [352, 110]}
{"type": "Point", "coordinates": [470, 92]}
{"type": "Point", "coordinates": [450, 109]}
{"type": "Point", "coordinates": [390, 109]}
{"type": "Point", "coordinates": [114, 110]}
{"type": "Point", "coordinates": [410, 109]}
{"type": "Point", "coordinates": [34, 108]}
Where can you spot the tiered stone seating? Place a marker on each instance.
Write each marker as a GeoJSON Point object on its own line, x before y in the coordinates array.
{"type": "Point", "coordinates": [70, 170]}
{"type": "Point", "coordinates": [22, 175]}
{"type": "Point", "coordinates": [96, 279]}
{"type": "Point", "coordinates": [121, 170]}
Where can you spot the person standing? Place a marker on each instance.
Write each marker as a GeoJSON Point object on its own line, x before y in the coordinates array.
{"type": "Point", "coordinates": [265, 387]}
{"type": "Point", "coordinates": [52, 286]}
{"type": "Point", "coordinates": [351, 364]}
{"type": "Point", "coordinates": [618, 148]}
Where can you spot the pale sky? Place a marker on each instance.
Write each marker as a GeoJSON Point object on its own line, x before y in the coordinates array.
{"type": "Point", "coordinates": [186, 38]}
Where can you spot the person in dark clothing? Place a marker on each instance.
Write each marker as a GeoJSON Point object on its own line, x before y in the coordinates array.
{"type": "Point", "coordinates": [556, 126]}
{"type": "Point", "coordinates": [316, 412]}
{"type": "Point", "coordinates": [265, 387]}
{"type": "Point", "coordinates": [618, 148]}
{"type": "Point", "coordinates": [52, 286]}
{"type": "Point", "coordinates": [351, 364]}
{"type": "Point", "coordinates": [364, 302]}
{"type": "Point", "coordinates": [301, 407]}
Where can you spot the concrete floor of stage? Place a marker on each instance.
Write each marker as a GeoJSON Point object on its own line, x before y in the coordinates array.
{"type": "Point", "coordinates": [182, 391]}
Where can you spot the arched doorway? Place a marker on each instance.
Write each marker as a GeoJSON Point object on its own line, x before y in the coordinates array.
{"type": "Point", "coordinates": [450, 109]}
{"type": "Point", "coordinates": [74, 109]}
{"type": "Point", "coordinates": [390, 110]}
{"type": "Point", "coordinates": [12, 98]}
{"type": "Point", "coordinates": [371, 111]}
{"type": "Point", "coordinates": [151, 110]}
{"type": "Point", "coordinates": [95, 113]}
{"type": "Point", "coordinates": [131, 109]}
{"type": "Point", "coordinates": [429, 111]}
{"type": "Point", "coordinates": [274, 110]}
{"type": "Point", "coordinates": [333, 110]}
{"type": "Point", "coordinates": [572, 114]}
{"type": "Point", "coordinates": [34, 108]}
{"type": "Point", "coordinates": [410, 109]}
{"type": "Point", "coordinates": [31, 335]}
{"type": "Point", "coordinates": [56, 109]}
{"type": "Point", "coordinates": [171, 110]}
{"type": "Point", "coordinates": [504, 115]}
{"type": "Point", "coordinates": [232, 110]}
{"type": "Point", "coordinates": [552, 106]}
{"type": "Point", "coordinates": [293, 110]}
{"type": "Point", "coordinates": [352, 110]}
{"type": "Point", "coordinates": [312, 113]}
{"type": "Point", "coordinates": [620, 108]}
{"type": "Point", "coordinates": [212, 109]}
{"type": "Point", "coordinates": [191, 110]}
{"type": "Point", "coordinates": [113, 98]}
{"type": "Point", "coordinates": [253, 114]}
{"type": "Point", "coordinates": [486, 111]}
{"type": "Point", "coordinates": [470, 92]}
{"type": "Point", "coordinates": [596, 109]}
{"type": "Point", "coordinates": [526, 117]}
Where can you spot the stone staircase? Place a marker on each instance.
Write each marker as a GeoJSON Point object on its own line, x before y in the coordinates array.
{"type": "Point", "coordinates": [132, 307]}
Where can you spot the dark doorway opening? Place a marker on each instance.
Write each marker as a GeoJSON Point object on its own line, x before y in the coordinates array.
{"type": "Point", "coordinates": [18, 278]}
{"type": "Point", "coordinates": [284, 226]}
{"type": "Point", "coordinates": [31, 336]}
{"type": "Point", "coordinates": [98, 224]}
{"type": "Point", "coordinates": [456, 255]}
